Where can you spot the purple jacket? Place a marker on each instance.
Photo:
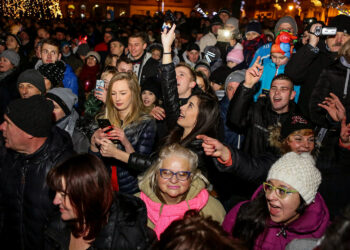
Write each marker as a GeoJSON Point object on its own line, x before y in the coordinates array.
{"type": "Point", "coordinates": [311, 224]}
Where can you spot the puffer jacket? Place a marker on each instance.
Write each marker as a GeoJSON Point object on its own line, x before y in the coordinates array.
{"type": "Point", "coordinates": [311, 224]}
{"type": "Point", "coordinates": [126, 228]}
{"type": "Point", "coordinates": [305, 67]}
{"type": "Point", "coordinates": [25, 204]}
{"type": "Point", "coordinates": [254, 118]}
{"type": "Point", "coordinates": [141, 135]}
{"type": "Point", "coordinates": [161, 215]}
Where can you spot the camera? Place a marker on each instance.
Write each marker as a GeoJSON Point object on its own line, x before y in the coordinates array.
{"type": "Point", "coordinates": [225, 35]}
{"type": "Point", "coordinates": [325, 31]}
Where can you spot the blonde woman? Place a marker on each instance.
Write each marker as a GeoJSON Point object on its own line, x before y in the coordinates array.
{"type": "Point", "coordinates": [131, 129]}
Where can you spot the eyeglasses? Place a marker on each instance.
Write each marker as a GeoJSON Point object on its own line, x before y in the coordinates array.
{"type": "Point", "coordinates": [180, 175]}
{"type": "Point", "coordinates": [280, 191]}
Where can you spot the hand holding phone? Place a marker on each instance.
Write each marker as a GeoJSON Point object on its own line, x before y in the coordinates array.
{"type": "Point", "coordinates": [169, 20]}
{"type": "Point", "coordinates": [104, 123]}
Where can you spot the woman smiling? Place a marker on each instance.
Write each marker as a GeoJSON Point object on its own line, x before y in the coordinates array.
{"type": "Point", "coordinates": [173, 185]}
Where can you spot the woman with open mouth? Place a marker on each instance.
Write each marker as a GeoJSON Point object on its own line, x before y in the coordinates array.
{"type": "Point", "coordinates": [287, 206]}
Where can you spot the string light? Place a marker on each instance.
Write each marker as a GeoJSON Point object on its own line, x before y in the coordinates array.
{"type": "Point", "coordinates": [339, 5]}
{"type": "Point", "coordinates": [41, 9]}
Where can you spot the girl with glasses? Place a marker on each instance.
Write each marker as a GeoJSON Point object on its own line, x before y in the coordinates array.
{"type": "Point", "coordinates": [173, 185]}
{"type": "Point", "coordinates": [287, 206]}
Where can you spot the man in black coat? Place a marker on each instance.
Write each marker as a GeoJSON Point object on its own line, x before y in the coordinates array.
{"type": "Point", "coordinates": [306, 65]}
{"type": "Point", "coordinates": [255, 118]}
{"type": "Point", "coordinates": [31, 146]}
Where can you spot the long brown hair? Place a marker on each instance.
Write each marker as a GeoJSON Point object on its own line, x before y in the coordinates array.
{"type": "Point", "coordinates": [89, 190]}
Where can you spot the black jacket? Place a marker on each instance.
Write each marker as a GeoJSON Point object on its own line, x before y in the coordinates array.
{"type": "Point", "coordinates": [126, 228]}
{"type": "Point", "coordinates": [254, 119]}
{"type": "Point", "coordinates": [304, 68]}
{"type": "Point", "coordinates": [333, 79]}
{"type": "Point", "coordinates": [25, 203]}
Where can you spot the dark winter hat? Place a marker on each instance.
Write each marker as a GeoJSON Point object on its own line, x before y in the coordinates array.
{"type": "Point", "coordinates": [53, 71]}
{"type": "Point", "coordinates": [224, 10]}
{"type": "Point", "coordinates": [216, 20]}
{"type": "Point", "coordinates": [15, 37]}
{"type": "Point", "coordinates": [64, 97]}
{"type": "Point", "coordinates": [253, 26]}
{"type": "Point", "coordinates": [33, 115]}
{"type": "Point", "coordinates": [287, 19]}
{"type": "Point", "coordinates": [193, 46]}
{"type": "Point", "coordinates": [83, 49]}
{"type": "Point", "coordinates": [121, 40]}
{"type": "Point", "coordinates": [154, 46]}
{"type": "Point", "coordinates": [202, 63]}
{"type": "Point", "coordinates": [33, 77]}
{"type": "Point", "coordinates": [342, 23]}
{"type": "Point", "coordinates": [12, 56]}
{"type": "Point", "coordinates": [152, 84]}
{"type": "Point", "coordinates": [218, 77]}
{"type": "Point", "coordinates": [293, 123]}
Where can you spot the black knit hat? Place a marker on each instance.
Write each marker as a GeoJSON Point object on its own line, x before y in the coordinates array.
{"type": "Point", "coordinates": [54, 72]}
{"type": "Point", "coordinates": [192, 46]}
{"type": "Point", "coordinates": [33, 77]}
{"type": "Point", "coordinates": [342, 23]}
{"type": "Point", "coordinates": [152, 84]}
{"type": "Point", "coordinates": [218, 76]}
{"type": "Point", "coordinates": [294, 122]}
{"type": "Point", "coordinates": [224, 10]}
{"type": "Point", "coordinates": [253, 26]}
{"type": "Point", "coordinates": [16, 37]}
{"type": "Point", "coordinates": [33, 115]}
{"type": "Point", "coordinates": [216, 20]}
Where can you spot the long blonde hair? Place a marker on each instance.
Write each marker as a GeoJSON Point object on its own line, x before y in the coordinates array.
{"type": "Point", "coordinates": [137, 108]}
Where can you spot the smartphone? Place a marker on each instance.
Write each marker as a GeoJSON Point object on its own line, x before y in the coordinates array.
{"type": "Point", "coordinates": [100, 84]}
{"type": "Point", "coordinates": [169, 20]}
{"type": "Point", "coordinates": [103, 123]}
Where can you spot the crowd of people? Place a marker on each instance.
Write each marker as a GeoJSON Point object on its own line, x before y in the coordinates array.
{"type": "Point", "coordinates": [209, 133]}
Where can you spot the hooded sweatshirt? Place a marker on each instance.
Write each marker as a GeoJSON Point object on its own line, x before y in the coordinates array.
{"type": "Point", "coordinates": [311, 224]}
{"type": "Point", "coordinates": [161, 215]}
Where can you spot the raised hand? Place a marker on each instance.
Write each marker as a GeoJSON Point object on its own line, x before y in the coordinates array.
{"type": "Point", "coordinates": [334, 107]}
{"type": "Point", "coordinates": [214, 148]}
{"type": "Point", "coordinates": [253, 74]}
{"type": "Point", "coordinates": [168, 37]}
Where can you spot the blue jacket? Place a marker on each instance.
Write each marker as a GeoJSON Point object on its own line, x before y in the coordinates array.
{"type": "Point", "coordinates": [264, 52]}
{"type": "Point", "coordinates": [270, 71]}
{"type": "Point", "coordinates": [231, 137]}
{"type": "Point", "coordinates": [70, 79]}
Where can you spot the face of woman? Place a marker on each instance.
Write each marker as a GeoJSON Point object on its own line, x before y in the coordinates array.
{"type": "Point", "coordinates": [172, 190]}
{"type": "Point", "coordinates": [189, 113]}
{"type": "Point", "coordinates": [148, 98]}
{"type": "Point", "coordinates": [299, 143]}
{"type": "Point", "coordinates": [5, 64]}
{"type": "Point", "coordinates": [106, 79]}
{"type": "Point", "coordinates": [11, 43]}
{"type": "Point", "coordinates": [200, 83]}
{"type": "Point", "coordinates": [282, 210]}
{"type": "Point", "coordinates": [62, 200]}
{"type": "Point", "coordinates": [91, 61]}
{"type": "Point", "coordinates": [121, 95]}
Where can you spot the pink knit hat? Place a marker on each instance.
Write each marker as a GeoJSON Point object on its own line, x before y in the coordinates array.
{"type": "Point", "coordinates": [235, 55]}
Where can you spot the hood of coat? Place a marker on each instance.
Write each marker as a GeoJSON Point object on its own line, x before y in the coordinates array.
{"type": "Point", "coordinates": [197, 185]}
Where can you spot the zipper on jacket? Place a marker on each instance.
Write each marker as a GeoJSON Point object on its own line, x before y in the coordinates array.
{"type": "Point", "coordinates": [23, 182]}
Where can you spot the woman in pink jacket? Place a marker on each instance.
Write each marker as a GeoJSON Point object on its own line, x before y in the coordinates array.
{"type": "Point", "coordinates": [286, 207]}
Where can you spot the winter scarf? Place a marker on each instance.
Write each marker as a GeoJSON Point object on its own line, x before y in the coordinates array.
{"type": "Point", "coordinates": [163, 215]}
{"type": "Point", "coordinates": [250, 46]}
{"type": "Point", "coordinates": [89, 74]}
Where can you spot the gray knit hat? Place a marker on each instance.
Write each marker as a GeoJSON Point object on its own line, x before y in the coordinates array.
{"type": "Point", "coordinates": [287, 19]}
{"type": "Point", "coordinates": [64, 97]}
{"type": "Point", "coordinates": [233, 21]}
{"type": "Point", "coordinates": [298, 171]}
{"type": "Point", "coordinates": [12, 56]}
{"type": "Point", "coordinates": [34, 77]}
{"type": "Point", "coordinates": [94, 54]}
{"type": "Point", "coordinates": [236, 76]}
